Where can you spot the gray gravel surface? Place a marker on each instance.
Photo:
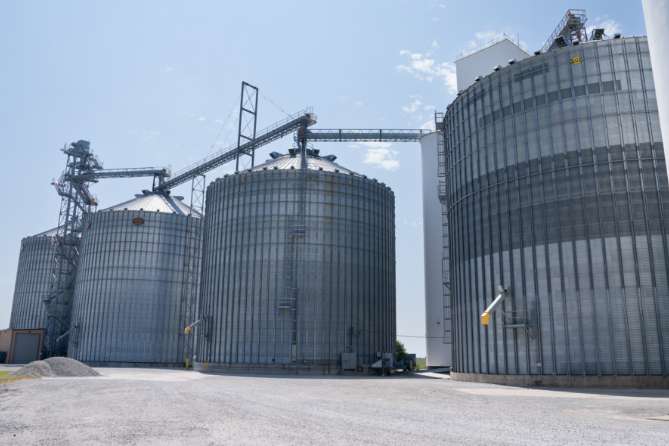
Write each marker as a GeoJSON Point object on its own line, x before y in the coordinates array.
{"type": "Point", "coordinates": [162, 407]}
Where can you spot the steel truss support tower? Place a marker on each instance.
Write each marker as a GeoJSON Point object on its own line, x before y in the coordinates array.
{"type": "Point", "coordinates": [76, 199]}
{"type": "Point", "coordinates": [248, 120]}
{"type": "Point", "coordinates": [191, 266]}
{"type": "Point", "coordinates": [81, 169]}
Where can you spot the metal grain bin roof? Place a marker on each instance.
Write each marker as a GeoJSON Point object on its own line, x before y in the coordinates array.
{"type": "Point", "coordinates": [291, 160]}
{"type": "Point", "coordinates": [48, 233]}
{"type": "Point", "coordinates": [154, 202]}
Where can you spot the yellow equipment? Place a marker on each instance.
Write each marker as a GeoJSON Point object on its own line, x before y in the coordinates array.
{"type": "Point", "coordinates": [485, 316]}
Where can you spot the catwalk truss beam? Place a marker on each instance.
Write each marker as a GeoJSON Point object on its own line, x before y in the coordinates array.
{"type": "Point", "coordinates": [359, 135]}
{"type": "Point", "coordinates": [276, 131]}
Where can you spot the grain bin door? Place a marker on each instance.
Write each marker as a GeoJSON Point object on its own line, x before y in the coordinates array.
{"type": "Point", "coordinates": [26, 347]}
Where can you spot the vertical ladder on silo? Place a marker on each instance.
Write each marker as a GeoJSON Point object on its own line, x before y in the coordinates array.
{"type": "Point", "coordinates": [442, 160]}
{"type": "Point", "coordinates": [295, 235]}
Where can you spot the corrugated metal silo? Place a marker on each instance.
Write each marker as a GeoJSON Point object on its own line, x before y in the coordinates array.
{"type": "Point", "coordinates": [32, 281]}
{"type": "Point", "coordinates": [136, 283]}
{"type": "Point", "coordinates": [298, 268]}
{"type": "Point", "coordinates": [558, 193]}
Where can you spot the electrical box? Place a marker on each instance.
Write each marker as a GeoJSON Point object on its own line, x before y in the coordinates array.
{"type": "Point", "coordinates": [349, 361]}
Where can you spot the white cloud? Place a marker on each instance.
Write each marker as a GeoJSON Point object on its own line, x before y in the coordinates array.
{"type": "Point", "coordinates": [167, 69]}
{"type": "Point", "coordinates": [428, 125]}
{"type": "Point", "coordinates": [202, 118]}
{"type": "Point", "coordinates": [380, 154]}
{"type": "Point", "coordinates": [413, 106]}
{"type": "Point", "coordinates": [424, 67]}
{"type": "Point", "coordinates": [359, 103]}
{"type": "Point", "coordinates": [610, 26]}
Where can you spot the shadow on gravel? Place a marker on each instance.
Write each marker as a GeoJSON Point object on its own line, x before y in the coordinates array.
{"type": "Point", "coordinates": [632, 393]}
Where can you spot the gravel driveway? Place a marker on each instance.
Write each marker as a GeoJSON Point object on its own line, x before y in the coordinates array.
{"type": "Point", "coordinates": [163, 407]}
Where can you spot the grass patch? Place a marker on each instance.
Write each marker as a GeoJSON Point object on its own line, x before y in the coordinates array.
{"type": "Point", "coordinates": [7, 377]}
{"type": "Point", "coordinates": [421, 363]}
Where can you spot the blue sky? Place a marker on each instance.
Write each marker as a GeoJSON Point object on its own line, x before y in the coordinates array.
{"type": "Point", "coordinates": [157, 83]}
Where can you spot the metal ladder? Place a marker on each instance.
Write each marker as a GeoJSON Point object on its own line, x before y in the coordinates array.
{"type": "Point", "coordinates": [442, 173]}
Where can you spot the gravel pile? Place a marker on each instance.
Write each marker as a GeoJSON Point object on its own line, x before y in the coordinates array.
{"type": "Point", "coordinates": [55, 367]}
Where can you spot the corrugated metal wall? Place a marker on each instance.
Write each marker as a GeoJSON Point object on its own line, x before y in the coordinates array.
{"type": "Point", "coordinates": [339, 266]}
{"type": "Point", "coordinates": [558, 191]}
{"type": "Point", "coordinates": [130, 305]}
{"type": "Point", "coordinates": [32, 283]}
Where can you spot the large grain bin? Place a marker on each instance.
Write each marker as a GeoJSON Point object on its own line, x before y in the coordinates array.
{"type": "Point", "coordinates": [32, 281]}
{"type": "Point", "coordinates": [558, 192]}
{"type": "Point", "coordinates": [298, 269]}
{"type": "Point", "coordinates": [136, 287]}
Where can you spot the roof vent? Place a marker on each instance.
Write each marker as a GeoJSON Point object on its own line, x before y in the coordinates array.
{"type": "Point", "coordinates": [330, 158]}
{"type": "Point", "coordinates": [497, 68]}
{"type": "Point", "coordinates": [512, 61]}
{"type": "Point", "coordinates": [292, 152]}
{"type": "Point", "coordinates": [537, 52]}
{"type": "Point", "coordinates": [597, 34]}
{"type": "Point", "coordinates": [477, 78]}
{"type": "Point", "coordinates": [560, 42]}
{"type": "Point", "coordinates": [274, 155]}
{"type": "Point", "coordinates": [617, 36]}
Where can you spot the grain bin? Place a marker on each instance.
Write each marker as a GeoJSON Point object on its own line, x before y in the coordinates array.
{"type": "Point", "coordinates": [32, 281]}
{"type": "Point", "coordinates": [298, 268]}
{"type": "Point", "coordinates": [136, 283]}
{"type": "Point", "coordinates": [558, 193]}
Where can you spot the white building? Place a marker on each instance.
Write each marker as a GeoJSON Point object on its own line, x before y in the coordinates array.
{"type": "Point", "coordinates": [482, 62]}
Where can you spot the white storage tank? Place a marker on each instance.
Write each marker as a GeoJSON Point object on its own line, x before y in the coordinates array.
{"type": "Point", "coordinates": [435, 239]}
